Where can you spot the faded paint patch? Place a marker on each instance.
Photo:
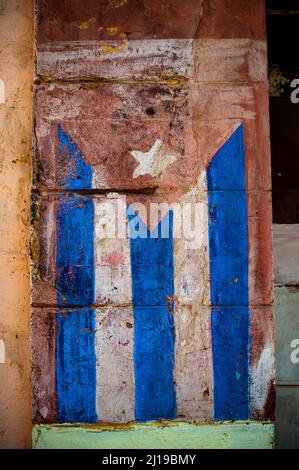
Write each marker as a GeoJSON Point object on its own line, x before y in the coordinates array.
{"type": "Point", "coordinates": [114, 48]}
{"type": "Point", "coordinates": [120, 3]}
{"type": "Point", "coordinates": [230, 60]}
{"type": "Point", "coordinates": [83, 25]}
{"type": "Point", "coordinates": [262, 376]}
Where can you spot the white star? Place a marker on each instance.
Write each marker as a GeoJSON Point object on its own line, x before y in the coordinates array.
{"type": "Point", "coordinates": [153, 162]}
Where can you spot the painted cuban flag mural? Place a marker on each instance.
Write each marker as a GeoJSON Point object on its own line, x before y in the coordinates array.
{"type": "Point", "coordinates": [151, 253]}
{"type": "Point", "coordinates": [152, 323]}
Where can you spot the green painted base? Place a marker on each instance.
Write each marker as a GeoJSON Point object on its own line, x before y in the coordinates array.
{"type": "Point", "coordinates": [168, 435]}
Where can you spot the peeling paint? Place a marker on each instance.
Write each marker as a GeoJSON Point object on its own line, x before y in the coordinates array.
{"type": "Point", "coordinates": [120, 3]}
{"type": "Point", "coordinates": [83, 25]}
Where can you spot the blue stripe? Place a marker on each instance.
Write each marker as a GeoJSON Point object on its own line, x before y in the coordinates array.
{"type": "Point", "coordinates": [152, 291]}
{"type": "Point", "coordinates": [76, 366]}
{"type": "Point", "coordinates": [75, 345]}
{"type": "Point", "coordinates": [74, 172]}
{"type": "Point", "coordinates": [230, 337]}
{"type": "Point", "coordinates": [226, 171]}
{"type": "Point", "coordinates": [228, 246]}
{"type": "Point", "coordinates": [75, 251]}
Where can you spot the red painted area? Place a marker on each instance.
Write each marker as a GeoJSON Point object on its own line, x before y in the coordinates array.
{"type": "Point", "coordinates": [109, 121]}
{"type": "Point", "coordinates": [233, 19]}
{"type": "Point", "coordinates": [260, 248]}
{"type": "Point", "coordinates": [43, 248]}
{"type": "Point", "coordinates": [115, 259]}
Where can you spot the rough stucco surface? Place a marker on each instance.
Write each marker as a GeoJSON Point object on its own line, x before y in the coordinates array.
{"type": "Point", "coordinates": [16, 56]}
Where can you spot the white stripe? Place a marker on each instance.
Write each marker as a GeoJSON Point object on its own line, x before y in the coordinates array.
{"type": "Point", "coordinates": [193, 348]}
{"type": "Point", "coordinates": [261, 379]}
{"type": "Point", "coordinates": [114, 339]}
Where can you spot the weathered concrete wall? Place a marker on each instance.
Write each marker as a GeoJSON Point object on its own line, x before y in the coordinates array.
{"type": "Point", "coordinates": [16, 72]}
{"type": "Point", "coordinates": [150, 102]}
